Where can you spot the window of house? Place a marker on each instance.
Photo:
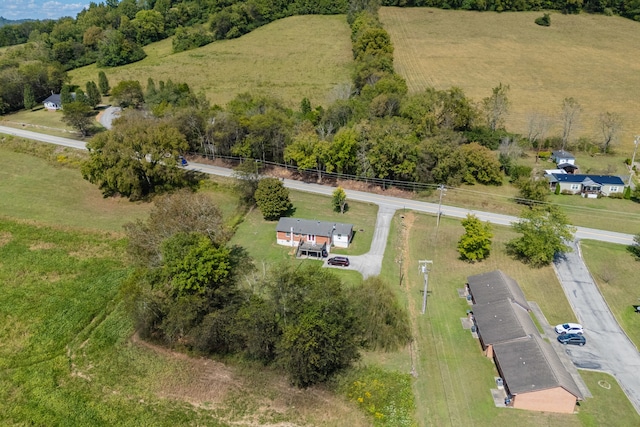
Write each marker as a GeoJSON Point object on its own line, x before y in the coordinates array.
{"type": "Point", "coordinates": [339, 236]}
{"type": "Point", "coordinates": [575, 186]}
{"type": "Point", "coordinates": [615, 189]}
{"type": "Point", "coordinates": [288, 234]}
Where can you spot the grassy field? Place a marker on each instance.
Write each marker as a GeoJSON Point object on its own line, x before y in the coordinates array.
{"type": "Point", "coordinates": [67, 355]}
{"type": "Point", "coordinates": [592, 58]}
{"type": "Point", "coordinates": [40, 120]}
{"type": "Point", "coordinates": [615, 271]}
{"type": "Point", "coordinates": [292, 58]}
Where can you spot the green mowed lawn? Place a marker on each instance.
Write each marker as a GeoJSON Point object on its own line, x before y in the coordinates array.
{"type": "Point", "coordinates": [292, 58]}
{"type": "Point", "coordinates": [592, 58]}
{"type": "Point", "coordinates": [258, 236]}
{"type": "Point", "coordinates": [615, 270]}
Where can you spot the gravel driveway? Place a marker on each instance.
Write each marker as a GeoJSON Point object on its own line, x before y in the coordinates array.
{"type": "Point", "coordinates": [608, 348]}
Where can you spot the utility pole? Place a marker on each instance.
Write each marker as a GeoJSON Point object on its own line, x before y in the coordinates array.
{"type": "Point", "coordinates": [442, 190]}
{"type": "Point", "coordinates": [423, 267]}
{"type": "Point", "coordinates": [636, 141]}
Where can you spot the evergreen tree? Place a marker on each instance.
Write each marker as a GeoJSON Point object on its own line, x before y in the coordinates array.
{"type": "Point", "coordinates": [272, 198]}
{"type": "Point", "coordinates": [93, 94]}
{"type": "Point", "coordinates": [29, 98]}
{"type": "Point", "coordinates": [81, 97]}
{"type": "Point", "coordinates": [65, 95]}
{"type": "Point", "coordinates": [103, 83]}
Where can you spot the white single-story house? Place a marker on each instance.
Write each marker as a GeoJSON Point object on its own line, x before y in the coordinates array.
{"type": "Point", "coordinates": [53, 102]}
{"type": "Point", "coordinates": [586, 185]}
{"type": "Point", "coordinates": [296, 231]}
{"type": "Point", "coordinates": [561, 156]}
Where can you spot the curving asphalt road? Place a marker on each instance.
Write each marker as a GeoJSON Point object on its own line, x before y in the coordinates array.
{"type": "Point", "coordinates": [109, 115]}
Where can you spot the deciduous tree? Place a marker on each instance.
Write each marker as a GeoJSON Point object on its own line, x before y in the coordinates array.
{"type": "Point", "coordinates": [128, 93]}
{"type": "Point", "coordinates": [610, 125]}
{"type": "Point", "coordinates": [475, 243]}
{"type": "Point", "coordinates": [544, 231]}
{"type": "Point", "coordinates": [137, 158]}
{"type": "Point", "coordinates": [77, 114]}
{"type": "Point", "coordinates": [570, 115]}
{"type": "Point", "coordinates": [339, 200]}
{"type": "Point", "coordinates": [496, 106]}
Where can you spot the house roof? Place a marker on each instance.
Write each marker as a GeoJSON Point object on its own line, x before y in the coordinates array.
{"type": "Point", "coordinates": [531, 364]}
{"type": "Point", "coordinates": [562, 154]}
{"type": "Point", "coordinates": [495, 286]}
{"type": "Point", "coordinates": [308, 226]}
{"type": "Point", "coordinates": [598, 179]}
{"type": "Point", "coordinates": [565, 165]}
{"type": "Point", "coordinates": [502, 321]}
{"type": "Point", "coordinates": [54, 97]}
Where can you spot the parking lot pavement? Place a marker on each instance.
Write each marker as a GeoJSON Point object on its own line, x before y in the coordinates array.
{"type": "Point", "coordinates": [608, 348]}
{"type": "Point", "coordinates": [551, 335]}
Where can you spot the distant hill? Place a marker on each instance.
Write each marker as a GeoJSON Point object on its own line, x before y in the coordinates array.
{"type": "Point", "coordinates": [4, 21]}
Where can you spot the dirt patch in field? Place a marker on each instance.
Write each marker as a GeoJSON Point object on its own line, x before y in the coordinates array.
{"type": "Point", "coordinates": [38, 246]}
{"type": "Point", "coordinates": [252, 397]}
{"type": "Point", "coordinates": [5, 237]}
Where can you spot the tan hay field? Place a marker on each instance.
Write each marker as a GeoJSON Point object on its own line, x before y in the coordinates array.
{"type": "Point", "coordinates": [592, 58]}
{"type": "Point", "coordinates": [296, 57]}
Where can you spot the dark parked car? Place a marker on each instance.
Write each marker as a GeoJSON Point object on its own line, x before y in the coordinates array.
{"type": "Point", "coordinates": [574, 339]}
{"type": "Point", "coordinates": [339, 260]}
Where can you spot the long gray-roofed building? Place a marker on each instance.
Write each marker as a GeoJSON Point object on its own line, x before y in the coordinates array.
{"type": "Point", "coordinates": [531, 371]}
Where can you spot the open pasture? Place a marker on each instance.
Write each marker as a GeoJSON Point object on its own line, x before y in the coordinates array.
{"type": "Point", "coordinates": [592, 58]}
{"type": "Point", "coordinates": [292, 58]}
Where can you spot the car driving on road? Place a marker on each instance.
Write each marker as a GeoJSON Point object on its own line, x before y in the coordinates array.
{"type": "Point", "coordinates": [574, 339]}
{"type": "Point", "coordinates": [339, 260]}
{"type": "Point", "coordinates": [569, 328]}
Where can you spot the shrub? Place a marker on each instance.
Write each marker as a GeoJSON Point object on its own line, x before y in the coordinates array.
{"type": "Point", "coordinates": [616, 196]}
{"type": "Point", "coordinates": [544, 20]}
{"type": "Point", "coordinates": [544, 155]}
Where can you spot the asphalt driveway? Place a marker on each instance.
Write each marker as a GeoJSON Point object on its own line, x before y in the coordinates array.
{"type": "Point", "coordinates": [608, 348]}
{"type": "Point", "coordinates": [370, 263]}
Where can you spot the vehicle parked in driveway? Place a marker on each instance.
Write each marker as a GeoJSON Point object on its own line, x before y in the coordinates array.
{"type": "Point", "coordinates": [569, 328]}
{"type": "Point", "coordinates": [574, 339]}
{"type": "Point", "coordinates": [339, 260]}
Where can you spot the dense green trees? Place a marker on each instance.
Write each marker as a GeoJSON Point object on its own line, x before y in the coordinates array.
{"type": "Point", "coordinates": [544, 231]}
{"type": "Point", "coordinates": [272, 198]}
{"type": "Point", "coordinates": [128, 93]}
{"type": "Point", "coordinates": [137, 158]}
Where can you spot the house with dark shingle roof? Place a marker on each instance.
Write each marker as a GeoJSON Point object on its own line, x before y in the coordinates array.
{"type": "Point", "coordinates": [586, 185]}
{"type": "Point", "coordinates": [532, 372]}
{"type": "Point", "coordinates": [535, 377]}
{"type": "Point", "coordinates": [313, 236]}
{"type": "Point", "coordinates": [53, 102]}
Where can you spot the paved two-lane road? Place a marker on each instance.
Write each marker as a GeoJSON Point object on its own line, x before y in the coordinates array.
{"type": "Point", "coordinates": [391, 202]}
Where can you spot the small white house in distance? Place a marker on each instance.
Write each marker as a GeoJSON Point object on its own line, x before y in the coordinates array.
{"type": "Point", "coordinates": [295, 231]}
{"type": "Point", "coordinates": [561, 156]}
{"type": "Point", "coordinates": [53, 102]}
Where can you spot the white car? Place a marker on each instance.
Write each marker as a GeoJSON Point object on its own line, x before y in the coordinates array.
{"type": "Point", "coordinates": [569, 328]}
